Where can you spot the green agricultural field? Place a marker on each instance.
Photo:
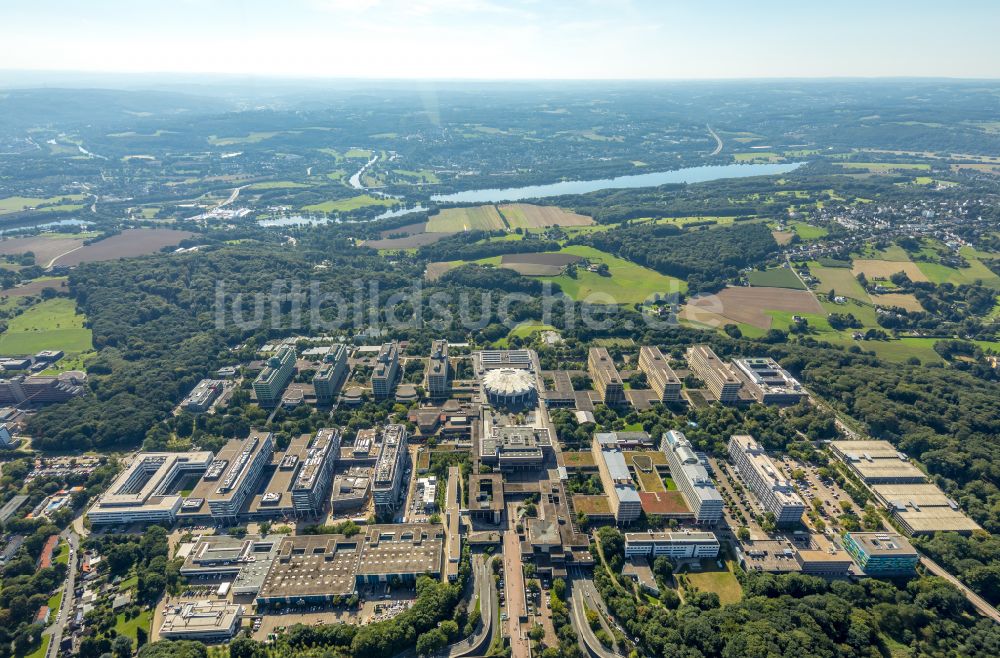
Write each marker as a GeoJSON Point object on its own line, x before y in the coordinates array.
{"type": "Point", "coordinates": [358, 153]}
{"type": "Point", "coordinates": [13, 204]}
{"type": "Point", "coordinates": [628, 284]}
{"type": "Point", "coordinates": [939, 273]}
{"type": "Point", "coordinates": [276, 185]}
{"type": "Point", "coordinates": [759, 156]}
{"type": "Point", "coordinates": [893, 253]}
{"type": "Point", "coordinates": [808, 231]}
{"type": "Point", "coordinates": [839, 279]}
{"type": "Point", "coordinates": [453, 220]}
{"type": "Point", "coordinates": [252, 138]}
{"type": "Point", "coordinates": [883, 167]}
{"type": "Point", "coordinates": [423, 177]}
{"type": "Point", "coordinates": [780, 277]}
{"type": "Point", "coordinates": [51, 325]}
{"type": "Point", "coordinates": [353, 203]}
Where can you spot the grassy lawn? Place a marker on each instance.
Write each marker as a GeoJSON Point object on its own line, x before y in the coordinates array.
{"type": "Point", "coordinates": [346, 205]}
{"type": "Point", "coordinates": [781, 277]}
{"type": "Point", "coordinates": [669, 483]}
{"type": "Point", "coordinates": [128, 627]}
{"type": "Point", "coordinates": [63, 556]}
{"type": "Point", "coordinates": [525, 329]}
{"type": "Point", "coordinates": [358, 153]}
{"type": "Point", "coordinates": [839, 279]}
{"type": "Point", "coordinates": [42, 649]}
{"type": "Point", "coordinates": [51, 325]}
{"type": "Point", "coordinates": [721, 581]}
{"type": "Point", "coordinates": [628, 284]}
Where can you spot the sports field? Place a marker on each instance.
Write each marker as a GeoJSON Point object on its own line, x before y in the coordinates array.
{"type": "Point", "coordinates": [628, 284]}
{"type": "Point", "coordinates": [780, 277]}
{"type": "Point", "coordinates": [50, 325]}
{"type": "Point", "coordinates": [452, 220]}
{"type": "Point", "coordinates": [526, 215]}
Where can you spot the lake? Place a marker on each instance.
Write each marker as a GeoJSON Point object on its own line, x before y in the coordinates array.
{"type": "Point", "coordinates": [652, 179]}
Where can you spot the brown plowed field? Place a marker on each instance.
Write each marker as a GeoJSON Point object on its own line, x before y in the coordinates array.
{"type": "Point", "coordinates": [748, 305]}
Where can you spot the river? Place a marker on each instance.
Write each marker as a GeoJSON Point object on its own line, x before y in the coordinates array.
{"type": "Point", "coordinates": [653, 179]}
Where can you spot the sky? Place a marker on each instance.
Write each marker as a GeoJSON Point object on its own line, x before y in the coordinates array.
{"type": "Point", "coordinates": [506, 39]}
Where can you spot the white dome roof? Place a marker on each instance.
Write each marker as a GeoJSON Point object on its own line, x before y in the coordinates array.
{"type": "Point", "coordinates": [508, 382]}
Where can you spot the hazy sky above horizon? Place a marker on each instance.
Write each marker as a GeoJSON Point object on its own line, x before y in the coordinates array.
{"type": "Point", "coordinates": [488, 39]}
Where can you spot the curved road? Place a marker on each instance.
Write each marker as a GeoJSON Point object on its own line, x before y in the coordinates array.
{"type": "Point", "coordinates": [718, 141]}
{"type": "Point", "coordinates": [480, 641]}
{"type": "Point", "coordinates": [579, 618]}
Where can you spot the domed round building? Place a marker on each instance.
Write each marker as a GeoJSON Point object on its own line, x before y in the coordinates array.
{"type": "Point", "coordinates": [509, 386]}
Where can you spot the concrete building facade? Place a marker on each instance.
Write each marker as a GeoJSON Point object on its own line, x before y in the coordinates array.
{"type": "Point", "coordinates": [659, 374]}
{"type": "Point", "coordinates": [774, 493]}
{"type": "Point", "coordinates": [386, 371]}
{"type": "Point", "coordinates": [692, 479]}
{"type": "Point", "coordinates": [717, 375]}
{"type": "Point", "coordinates": [438, 370]}
{"type": "Point", "coordinates": [607, 381]}
{"type": "Point", "coordinates": [275, 376]}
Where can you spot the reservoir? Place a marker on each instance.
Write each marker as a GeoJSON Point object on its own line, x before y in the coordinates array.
{"type": "Point", "coordinates": [653, 179]}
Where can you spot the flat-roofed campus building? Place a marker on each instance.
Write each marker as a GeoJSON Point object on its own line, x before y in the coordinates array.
{"type": "Point", "coordinates": [275, 376]}
{"type": "Point", "coordinates": [617, 481]}
{"type": "Point", "coordinates": [672, 544]}
{"type": "Point", "coordinates": [486, 497]}
{"type": "Point", "coordinates": [300, 477]}
{"type": "Point", "coordinates": [317, 569]}
{"type": "Point", "coordinates": [923, 509]}
{"type": "Point", "coordinates": [351, 490]}
{"type": "Point", "coordinates": [438, 370]}
{"type": "Point", "coordinates": [627, 440]}
{"type": "Point", "coordinates": [607, 381]}
{"type": "Point", "coordinates": [230, 480]}
{"type": "Point", "coordinates": [877, 462]}
{"type": "Point", "coordinates": [204, 621]}
{"type": "Point", "coordinates": [774, 493]}
{"type": "Point", "coordinates": [244, 562]}
{"type": "Point", "coordinates": [659, 374]}
{"type": "Point", "coordinates": [388, 474]}
{"type": "Point", "coordinates": [200, 399]}
{"type": "Point", "coordinates": [493, 359]}
{"type": "Point", "coordinates": [881, 553]}
{"type": "Point", "coordinates": [691, 477]}
{"type": "Point", "coordinates": [330, 374]}
{"type": "Point", "coordinates": [312, 482]}
{"type": "Point", "coordinates": [140, 493]}
{"type": "Point", "coordinates": [768, 382]}
{"type": "Point", "coordinates": [514, 448]}
{"type": "Point", "coordinates": [386, 371]}
{"type": "Point", "coordinates": [717, 375]}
